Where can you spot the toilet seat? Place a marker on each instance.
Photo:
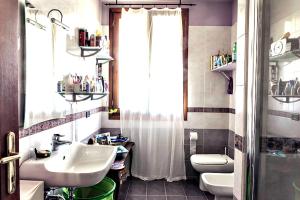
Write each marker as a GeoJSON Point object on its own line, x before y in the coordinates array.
{"type": "Point", "coordinates": [209, 159]}
{"type": "Point", "coordinates": [212, 163]}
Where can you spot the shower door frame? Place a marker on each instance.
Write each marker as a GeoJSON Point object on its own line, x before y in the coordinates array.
{"type": "Point", "coordinates": [258, 48]}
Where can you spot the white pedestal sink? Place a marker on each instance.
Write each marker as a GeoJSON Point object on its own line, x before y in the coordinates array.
{"type": "Point", "coordinates": [78, 165]}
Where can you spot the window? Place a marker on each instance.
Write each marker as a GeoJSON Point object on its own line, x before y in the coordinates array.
{"type": "Point", "coordinates": [114, 17]}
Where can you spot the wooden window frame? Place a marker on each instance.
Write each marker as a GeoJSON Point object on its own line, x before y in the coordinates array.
{"type": "Point", "coordinates": [114, 16]}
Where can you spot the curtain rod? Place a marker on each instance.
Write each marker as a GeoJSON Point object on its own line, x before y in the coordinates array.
{"type": "Point", "coordinates": [149, 4]}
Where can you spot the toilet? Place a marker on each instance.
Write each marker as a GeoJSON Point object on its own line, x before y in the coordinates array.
{"type": "Point", "coordinates": [219, 184]}
{"type": "Point", "coordinates": [211, 163]}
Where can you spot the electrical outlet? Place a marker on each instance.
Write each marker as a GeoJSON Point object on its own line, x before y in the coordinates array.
{"type": "Point", "coordinates": [87, 114]}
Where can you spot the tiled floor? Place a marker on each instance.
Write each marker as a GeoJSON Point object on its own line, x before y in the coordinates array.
{"type": "Point", "coordinates": [136, 189]}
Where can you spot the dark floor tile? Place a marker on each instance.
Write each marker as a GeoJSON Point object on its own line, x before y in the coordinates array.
{"type": "Point", "coordinates": [191, 188]}
{"type": "Point", "coordinates": [156, 198]}
{"type": "Point", "coordinates": [174, 188]}
{"type": "Point", "coordinates": [137, 188]}
{"type": "Point", "coordinates": [124, 187]}
{"type": "Point", "coordinates": [176, 197]}
{"type": "Point", "coordinates": [136, 198]}
{"type": "Point", "coordinates": [122, 196]}
{"type": "Point", "coordinates": [193, 178]}
{"type": "Point", "coordinates": [209, 196]}
{"type": "Point", "coordinates": [156, 188]}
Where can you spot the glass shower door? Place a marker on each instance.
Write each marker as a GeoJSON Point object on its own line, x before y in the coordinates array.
{"type": "Point", "coordinates": [274, 148]}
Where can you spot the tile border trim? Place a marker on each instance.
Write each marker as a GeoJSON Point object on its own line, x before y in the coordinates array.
{"type": "Point", "coordinates": [269, 144]}
{"type": "Point", "coordinates": [240, 143]}
{"type": "Point", "coordinates": [57, 122]}
{"type": "Point", "coordinates": [285, 114]}
{"type": "Point", "coordinates": [72, 117]}
{"type": "Point", "coordinates": [211, 110]}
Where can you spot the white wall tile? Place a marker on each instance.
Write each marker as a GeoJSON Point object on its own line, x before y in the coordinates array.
{"type": "Point", "coordinates": [232, 122]}
{"type": "Point", "coordinates": [239, 175]}
{"type": "Point", "coordinates": [207, 120]}
{"type": "Point", "coordinates": [240, 111]}
{"type": "Point", "coordinates": [241, 17]}
{"type": "Point", "coordinates": [203, 85]}
{"type": "Point", "coordinates": [79, 14]}
{"type": "Point", "coordinates": [106, 123]}
{"type": "Point", "coordinates": [241, 65]}
{"type": "Point", "coordinates": [283, 127]}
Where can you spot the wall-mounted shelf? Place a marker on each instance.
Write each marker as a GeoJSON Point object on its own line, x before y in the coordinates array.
{"type": "Point", "coordinates": [228, 67]}
{"type": "Point", "coordinates": [286, 98]}
{"type": "Point", "coordinates": [84, 51]}
{"type": "Point", "coordinates": [102, 59]}
{"type": "Point", "coordinates": [225, 70]}
{"type": "Point", "coordinates": [89, 51]}
{"type": "Point", "coordinates": [82, 96]}
{"type": "Point", "coordinates": [286, 57]}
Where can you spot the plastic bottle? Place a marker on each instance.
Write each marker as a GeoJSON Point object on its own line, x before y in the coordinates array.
{"type": "Point", "coordinates": [92, 40]}
{"type": "Point", "coordinates": [98, 38]}
{"type": "Point", "coordinates": [234, 52]}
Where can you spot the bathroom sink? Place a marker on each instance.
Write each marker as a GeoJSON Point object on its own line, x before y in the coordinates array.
{"type": "Point", "coordinates": [78, 165]}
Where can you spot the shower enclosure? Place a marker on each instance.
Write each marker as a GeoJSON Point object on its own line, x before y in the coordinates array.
{"type": "Point", "coordinates": [273, 107]}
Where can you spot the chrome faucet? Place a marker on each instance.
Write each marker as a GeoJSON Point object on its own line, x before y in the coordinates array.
{"type": "Point", "coordinates": [57, 142]}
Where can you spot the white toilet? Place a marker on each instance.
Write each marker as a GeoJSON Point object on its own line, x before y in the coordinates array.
{"type": "Point", "coordinates": [213, 163]}
{"type": "Point", "coordinates": [219, 184]}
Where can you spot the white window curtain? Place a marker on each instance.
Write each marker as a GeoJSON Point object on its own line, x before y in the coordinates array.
{"type": "Point", "coordinates": [42, 103]}
{"type": "Point", "coordinates": [151, 91]}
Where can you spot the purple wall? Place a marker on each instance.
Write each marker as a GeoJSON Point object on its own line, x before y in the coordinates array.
{"type": "Point", "coordinates": [211, 13]}
{"type": "Point", "coordinates": [205, 13]}
{"type": "Point", "coordinates": [234, 11]}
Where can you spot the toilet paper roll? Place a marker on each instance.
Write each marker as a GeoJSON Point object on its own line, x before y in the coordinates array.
{"type": "Point", "coordinates": [193, 142]}
{"type": "Point", "coordinates": [193, 136]}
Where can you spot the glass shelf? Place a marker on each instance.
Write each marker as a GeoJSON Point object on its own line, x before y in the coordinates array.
{"type": "Point", "coordinates": [82, 96]}
{"type": "Point", "coordinates": [286, 57]}
{"type": "Point", "coordinates": [92, 51]}
{"type": "Point", "coordinates": [84, 51]}
{"type": "Point", "coordinates": [102, 59]}
{"type": "Point", "coordinates": [228, 67]}
{"type": "Point", "coordinates": [225, 70]}
{"type": "Point", "coordinates": [286, 98]}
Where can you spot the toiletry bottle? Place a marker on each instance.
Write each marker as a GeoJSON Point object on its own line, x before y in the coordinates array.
{"type": "Point", "coordinates": [92, 85]}
{"type": "Point", "coordinates": [59, 86]}
{"type": "Point", "coordinates": [234, 52]}
{"type": "Point", "coordinates": [92, 40]}
{"type": "Point", "coordinates": [98, 38]}
{"type": "Point", "coordinates": [87, 41]}
{"type": "Point", "coordinates": [85, 84]}
{"type": "Point", "coordinates": [82, 39]}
